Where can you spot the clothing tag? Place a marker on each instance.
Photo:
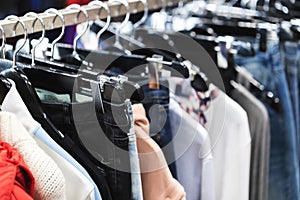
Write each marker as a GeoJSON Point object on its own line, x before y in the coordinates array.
{"type": "Point", "coordinates": [153, 76]}
{"type": "Point", "coordinates": [153, 68]}
{"type": "Point", "coordinates": [48, 96]}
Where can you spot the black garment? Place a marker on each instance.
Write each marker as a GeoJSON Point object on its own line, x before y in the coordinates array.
{"type": "Point", "coordinates": [86, 132]}
{"type": "Point", "coordinates": [102, 136]}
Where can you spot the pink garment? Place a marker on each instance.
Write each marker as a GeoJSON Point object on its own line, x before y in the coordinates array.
{"type": "Point", "coordinates": [157, 180]}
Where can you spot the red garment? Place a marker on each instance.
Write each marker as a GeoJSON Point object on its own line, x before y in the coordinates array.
{"type": "Point", "coordinates": [16, 180]}
{"type": "Point", "coordinates": [80, 2]}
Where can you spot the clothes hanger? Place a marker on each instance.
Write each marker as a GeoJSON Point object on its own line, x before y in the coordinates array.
{"type": "Point", "coordinates": [14, 71]}
{"type": "Point", "coordinates": [36, 17]}
{"type": "Point", "coordinates": [96, 56]}
{"type": "Point", "coordinates": [113, 59]}
{"type": "Point", "coordinates": [117, 46]}
{"type": "Point", "coordinates": [197, 80]}
{"type": "Point", "coordinates": [65, 49]}
{"type": "Point", "coordinates": [54, 42]}
{"type": "Point", "coordinates": [134, 45]}
{"type": "Point", "coordinates": [62, 82]}
{"type": "Point", "coordinates": [42, 76]}
{"type": "Point", "coordinates": [47, 61]}
{"type": "Point", "coordinates": [101, 5]}
{"type": "Point", "coordinates": [228, 20]}
{"type": "Point", "coordinates": [74, 57]}
{"type": "Point", "coordinates": [33, 104]}
{"type": "Point", "coordinates": [5, 85]}
{"type": "Point", "coordinates": [144, 18]}
{"type": "Point", "coordinates": [228, 26]}
{"type": "Point", "coordinates": [148, 36]}
{"type": "Point", "coordinates": [141, 21]}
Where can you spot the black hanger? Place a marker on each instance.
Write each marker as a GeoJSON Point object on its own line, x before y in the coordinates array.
{"type": "Point", "coordinates": [230, 73]}
{"type": "Point", "coordinates": [57, 80]}
{"type": "Point", "coordinates": [23, 85]}
{"type": "Point", "coordinates": [117, 59]}
{"type": "Point", "coordinates": [105, 60]}
{"type": "Point", "coordinates": [227, 24]}
{"type": "Point", "coordinates": [43, 77]}
{"type": "Point", "coordinates": [5, 86]}
{"type": "Point", "coordinates": [27, 93]}
{"type": "Point", "coordinates": [137, 49]}
{"type": "Point", "coordinates": [50, 64]}
{"type": "Point", "coordinates": [62, 82]}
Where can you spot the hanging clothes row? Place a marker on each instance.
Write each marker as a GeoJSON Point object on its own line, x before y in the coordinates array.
{"type": "Point", "coordinates": [99, 158]}
{"type": "Point", "coordinates": [256, 50]}
{"type": "Point", "coordinates": [192, 101]}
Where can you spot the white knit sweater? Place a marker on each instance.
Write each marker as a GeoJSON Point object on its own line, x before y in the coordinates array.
{"type": "Point", "coordinates": [49, 180]}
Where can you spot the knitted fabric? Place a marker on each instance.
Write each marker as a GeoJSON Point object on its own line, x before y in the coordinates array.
{"type": "Point", "coordinates": [49, 180]}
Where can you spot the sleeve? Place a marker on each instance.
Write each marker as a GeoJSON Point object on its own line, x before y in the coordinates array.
{"type": "Point", "coordinates": [49, 180]}
{"type": "Point", "coordinates": [157, 179]}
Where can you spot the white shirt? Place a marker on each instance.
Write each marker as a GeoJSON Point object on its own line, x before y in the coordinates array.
{"type": "Point", "coordinates": [228, 128]}
{"type": "Point", "coordinates": [194, 161]}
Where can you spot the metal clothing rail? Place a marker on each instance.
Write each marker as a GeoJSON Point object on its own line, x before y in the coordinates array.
{"type": "Point", "coordinates": [70, 16]}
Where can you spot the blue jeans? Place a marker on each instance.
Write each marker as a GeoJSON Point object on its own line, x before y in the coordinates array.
{"type": "Point", "coordinates": [267, 68]}
{"type": "Point", "coordinates": [136, 182]}
{"type": "Point", "coordinates": [291, 57]}
{"type": "Point", "coordinates": [156, 104]}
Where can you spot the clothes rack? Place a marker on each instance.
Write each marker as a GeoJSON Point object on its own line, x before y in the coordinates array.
{"type": "Point", "coordinates": [116, 9]}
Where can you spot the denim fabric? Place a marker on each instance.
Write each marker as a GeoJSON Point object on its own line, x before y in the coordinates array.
{"type": "Point", "coordinates": [156, 104]}
{"type": "Point", "coordinates": [136, 181]}
{"type": "Point", "coordinates": [291, 57]}
{"type": "Point", "coordinates": [103, 137]}
{"type": "Point", "coordinates": [267, 68]}
{"type": "Point", "coordinates": [137, 191]}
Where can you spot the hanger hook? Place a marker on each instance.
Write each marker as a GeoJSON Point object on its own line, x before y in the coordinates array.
{"type": "Point", "coordinates": [108, 18]}
{"type": "Point", "coordinates": [18, 21]}
{"type": "Point", "coordinates": [143, 19]}
{"type": "Point", "coordinates": [80, 9]}
{"type": "Point", "coordinates": [2, 48]}
{"type": "Point", "coordinates": [35, 15]}
{"type": "Point", "coordinates": [58, 14]}
{"type": "Point", "coordinates": [125, 21]}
